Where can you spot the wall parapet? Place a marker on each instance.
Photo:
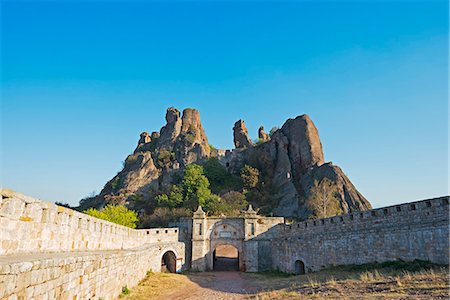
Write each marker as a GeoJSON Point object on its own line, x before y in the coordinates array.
{"type": "Point", "coordinates": [31, 225]}
{"type": "Point", "coordinates": [401, 213]}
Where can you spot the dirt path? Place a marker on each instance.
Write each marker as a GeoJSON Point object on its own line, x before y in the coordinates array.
{"type": "Point", "coordinates": [215, 286]}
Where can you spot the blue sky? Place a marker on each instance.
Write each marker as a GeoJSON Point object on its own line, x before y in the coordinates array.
{"type": "Point", "coordinates": [81, 80]}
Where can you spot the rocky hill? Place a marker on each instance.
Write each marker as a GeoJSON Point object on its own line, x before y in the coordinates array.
{"type": "Point", "coordinates": [293, 181]}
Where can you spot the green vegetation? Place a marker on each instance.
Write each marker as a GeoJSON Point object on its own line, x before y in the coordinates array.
{"type": "Point", "coordinates": [397, 265]}
{"type": "Point", "coordinates": [115, 182]}
{"type": "Point", "coordinates": [165, 157]}
{"type": "Point", "coordinates": [323, 200]}
{"type": "Point", "coordinates": [195, 187]}
{"type": "Point", "coordinates": [173, 199]}
{"type": "Point", "coordinates": [194, 190]}
{"type": "Point", "coordinates": [163, 216]}
{"type": "Point", "coordinates": [249, 176]}
{"type": "Point", "coordinates": [118, 214]}
{"type": "Point", "coordinates": [190, 137]}
{"type": "Point", "coordinates": [125, 290]}
{"type": "Point", "coordinates": [219, 178]}
{"type": "Point", "coordinates": [258, 141]}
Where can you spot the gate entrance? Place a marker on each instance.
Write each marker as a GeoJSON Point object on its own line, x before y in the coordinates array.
{"type": "Point", "coordinates": [229, 243]}
{"type": "Point", "coordinates": [226, 258]}
{"type": "Point", "coordinates": [299, 267]}
{"type": "Point", "coordinates": [169, 262]}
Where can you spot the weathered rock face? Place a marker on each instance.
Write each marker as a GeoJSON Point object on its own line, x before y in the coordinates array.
{"type": "Point", "coordinates": [305, 147]}
{"type": "Point", "coordinates": [193, 145]}
{"type": "Point", "coordinates": [262, 135]}
{"type": "Point", "coordinates": [158, 157]}
{"type": "Point", "coordinates": [240, 134]}
{"type": "Point", "coordinates": [289, 161]}
{"type": "Point", "coordinates": [171, 130]}
{"type": "Point", "coordinates": [145, 138]}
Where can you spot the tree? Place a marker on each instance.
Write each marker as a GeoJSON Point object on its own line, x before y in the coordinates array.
{"type": "Point", "coordinates": [118, 214]}
{"type": "Point", "coordinates": [323, 199]}
{"type": "Point", "coordinates": [219, 178]}
{"type": "Point", "coordinates": [250, 177]}
{"type": "Point", "coordinates": [173, 199]}
{"type": "Point", "coordinates": [232, 203]}
{"type": "Point", "coordinates": [163, 216]}
{"type": "Point", "coordinates": [195, 186]}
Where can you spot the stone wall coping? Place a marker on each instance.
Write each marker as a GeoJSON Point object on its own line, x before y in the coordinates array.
{"type": "Point", "coordinates": [61, 212]}
{"type": "Point", "coordinates": [77, 255]}
{"type": "Point", "coordinates": [373, 214]}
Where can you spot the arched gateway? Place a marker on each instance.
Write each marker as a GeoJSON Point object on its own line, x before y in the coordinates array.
{"type": "Point", "coordinates": [248, 234]}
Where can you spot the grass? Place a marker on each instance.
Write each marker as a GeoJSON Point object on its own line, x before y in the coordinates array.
{"type": "Point", "coordinates": [156, 285]}
{"type": "Point", "coordinates": [395, 280]}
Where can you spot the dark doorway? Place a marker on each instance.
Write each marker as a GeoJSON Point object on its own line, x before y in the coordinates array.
{"type": "Point", "coordinates": [169, 262]}
{"type": "Point", "coordinates": [226, 258]}
{"type": "Point", "coordinates": [299, 267]}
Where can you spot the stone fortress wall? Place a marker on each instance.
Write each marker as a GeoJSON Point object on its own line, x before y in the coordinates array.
{"type": "Point", "coordinates": [416, 230]}
{"type": "Point", "coordinates": [52, 252]}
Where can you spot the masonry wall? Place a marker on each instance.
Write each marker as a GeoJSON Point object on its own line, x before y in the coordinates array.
{"type": "Point", "coordinates": [31, 225]}
{"type": "Point", "coordinates": [87, 275]}
{"type": "Point", "coordinates": [417, 230]}
{"type": "Point", "coordinates": [51, 252]}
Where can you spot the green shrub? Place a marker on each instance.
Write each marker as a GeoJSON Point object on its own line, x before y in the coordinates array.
{"type": "Point", "coordinates": [165, 156]}
{"type": "Point", "coordinates": [230, 204]}
{"type": "Point", "coordinates": [195, 186]}
{"type": "Point", "coordinates": [125, 290]}
{"type": "Point", "coordinates": [118, 214]}
{"type": "Point", "coordinates": [219, 178]}
{"type": "Point", "coordinates": [249, 176]}
{"type": "Point", "coordinates": [173, 199]}
{"type": "Point", "coordinates": [163, 216]}
{"type": "Point", "coordinates": [115, 182]}
{"type": "Point", "coordinates": [190, 138]}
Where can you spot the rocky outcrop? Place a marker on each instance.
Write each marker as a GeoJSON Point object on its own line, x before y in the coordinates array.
{"type": "Point", "coordinates": [157, 158]}
{"type": "Point", "coordinates": [349, 197]}
{"type": "Point", "coordinates": [171, 130]}
{"type": "Point", "coordinates": [193, 145]}
{"type": "Point", "coordinates": [144, 138]}
{"type": "Point", "coordinates": [240, 134]}
{"type": "Point", "coordinates": [264, 137]}
{"type": "Point", "coordinates": [290, 162]}
{"type": "Point", "coordinates": [305, 148]}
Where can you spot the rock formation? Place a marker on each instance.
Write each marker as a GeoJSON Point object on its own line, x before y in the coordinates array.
{"type": "Point", "coordinates": [171, 130]}
{"type": "Point", "coordinates": [240, 134]}
{"type": "Point", "coordinates": [290, 162]}
{"type": "Point", "coordinates": [157, 158]}
{"type": "Point", "coordinates": [264, 137]}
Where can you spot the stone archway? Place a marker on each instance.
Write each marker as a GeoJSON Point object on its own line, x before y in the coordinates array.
{"type": "Point", "coordinates": [169, 262]}
{"type": "Point", "coordinates": [227, 233]}
{"type": "Point", "coordinates": [225, 258]}
{"type": "Point", "coordinates": [299, 267]}
{"type": "Point", "coordinates": [245, 233]}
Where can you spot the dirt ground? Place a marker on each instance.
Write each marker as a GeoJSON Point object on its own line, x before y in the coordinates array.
{"type": "Point", "coordinates": [334, 284]}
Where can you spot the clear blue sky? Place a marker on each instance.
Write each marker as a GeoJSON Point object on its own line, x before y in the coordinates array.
{"type": "Point", "coordinates": [81, 80]}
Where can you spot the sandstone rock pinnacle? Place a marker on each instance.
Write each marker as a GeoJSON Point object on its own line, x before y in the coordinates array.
{"type": "Point", "coordinates": [262, 135]}
{"type": "Point", "coordinates": [172, 129]}
{"type": "Point", "coordinates": [144, 138]}
{"type": "Point", "coordinates": [305, 148]}
{"type": "Point", "coordinates": [240, 134]}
